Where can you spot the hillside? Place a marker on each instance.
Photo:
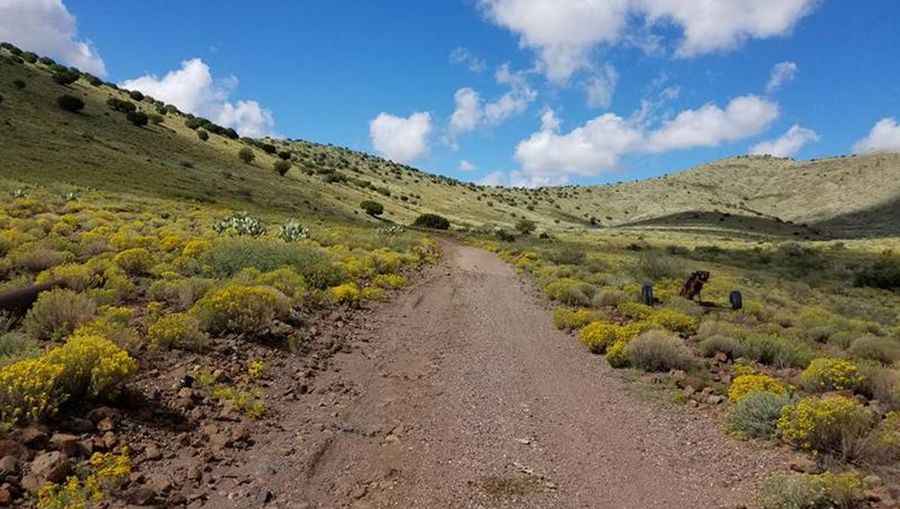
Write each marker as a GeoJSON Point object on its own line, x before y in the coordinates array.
{"type": "Point", "coordinates": [99, 148]}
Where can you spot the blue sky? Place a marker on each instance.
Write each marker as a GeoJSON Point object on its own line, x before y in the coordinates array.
{"type": "Point", "coordinates": [674, 83]}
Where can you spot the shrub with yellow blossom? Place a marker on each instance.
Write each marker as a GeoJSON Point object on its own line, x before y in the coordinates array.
{"type": "Point", "coordinates": [240, 309]}
{"type": "Point", "coordinates": [178, 330]}
{"type": "Point", "coordinates": [829, 374]}
{"type": "Point", "coordinates": [824, 424]}
{"type": "Point", "coordinates": [743, 385]}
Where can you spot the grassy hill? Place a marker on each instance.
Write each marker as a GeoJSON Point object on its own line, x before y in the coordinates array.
{"type": "Point", "coordinates": [99, 148]}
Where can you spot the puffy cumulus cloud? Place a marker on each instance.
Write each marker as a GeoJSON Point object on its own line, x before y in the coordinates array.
{"type": "Point", "coordinates": [401, 139]}
{"type": "Point", "coordinates": [781, 73]}
{"type": "Point", "coordinates": [884, 137]}
{"type": "Point", "coordinates": [466, 166]}
{"type": "Point", "coordinates": [552, 157]}
{"type": "Point", "coordinates": [601, 87]}
{"type": "Point", "coordinates": [471, 112]}
{"type": "Point", "coordinates": [464, 57]}
{"type": "Point", "coordinates": [565, 33]}
{"type": "Point", "coordinates": [788, 144]}
{"type": "Point", "coordinates": [193, 89]}
{"type": "Point", "coordinates": [711, 125]}
{"type": "Point", "coordinates": [47, 28]}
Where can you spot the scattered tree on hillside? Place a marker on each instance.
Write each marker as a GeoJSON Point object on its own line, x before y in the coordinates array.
{"type": "Point", "coordinates": [525, 226]}
{"type": "Point", "coordinates": [246, 154]}
{"type": "Point", "coordinates": [120, 105]}
{"type": "Point", "coordinates": [70, 103]}
{"type": "Point", "coordinates": [281, 167]}
{"type": "Point", "coordinates": [19, 84]}
{"type": "Point", "coordinates": [65, 77]}
{"type": "Point", "coordinates": [203, 135]}
{"type": "Point", "coordinates": [138, 118]}
{"type": "Point", "coordinates": [433, 221]}
{"type": "Point", "coordinates": [284, 154]}
{"type": "Point", "coordinates": [136, 95]}
{"type": "Point", "coordinates": [372, 208]}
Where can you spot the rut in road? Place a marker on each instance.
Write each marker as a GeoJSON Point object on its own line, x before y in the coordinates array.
{"type": "Point", "coordinates": [466, 396]}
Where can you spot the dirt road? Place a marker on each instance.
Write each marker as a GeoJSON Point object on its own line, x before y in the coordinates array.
{"type": "Point", "coordinates": [462, 394]}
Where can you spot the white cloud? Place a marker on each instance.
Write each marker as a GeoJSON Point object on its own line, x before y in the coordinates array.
{"type": "Point", "coordinates": [788, 144]}
{"type": "Point", "coordinates": [781, 73]}
{"type": "Point", "coordinates": [495, 178]}
{"type": "Point", "coordinates": [565, 33]}
{"type": "Point", "coordinates": [884, 137]}
{"type": "Point", "coordinates": [47, 28]}
{"type": "Point", "coordinates": [401, 139]}
{"type": "Point", "coordinates": [710, 125]}
{"type": "Point", "coordinates": [466, 166]}
{"type": "Point", "coordinates": [471, 112]}
{"type": "Point", "coordinates": [193, 89]}
{"type": "Point", "coordinates": [550, 157]}
{"type": "Point", "coordinates": [464, 57]}
{"type": "Point", "coordinates": [601, 87]}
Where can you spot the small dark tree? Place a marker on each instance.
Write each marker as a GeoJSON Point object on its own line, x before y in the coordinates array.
{"type": "Point", "coordinates": [246, 154]}
{"type": "Point", "coordinates": [203, 135]}
{"type": "Point", "coordinates": [284, 154]}
{"type": "Point", "coordinates": [231, 134]}
{"type": "Point", "coordinates": [157, 118]}
{"type": "Point", "coordinates": [136, 95]}
{"type": "Point", "coordinates": [30, 57]}
{"type": "Point", "coordinates": [525, 227]}
{"type": "Point", "coordinates": [268, 148]}
{"type": "Point", "coordinates": [70, 103]}
{"type": "Point", "coordinates": [65, 77]}
{"type": "Point", "coordinates": [19, 84]}
{"type": "Point", "coordinates": [171, 108]}
{"type": "Point", "coordinates": [282, 167]}
{"type": "Point", "coordinates": [1, 99]}
{"type": "Point", "coordinates": [120, 105]}
{"type": "Point", "coordinates": [138, 118]}
{"type": "Point", "coordinates": [192, 123]}
{"type": "Point", "coordinates": [373, 208]}
{"type": "Point", "coordinates": [47, 61]}
{"type": "Point", "coordinates": [93, 80]}
{"type": "Point", "coordinates": [433, 221]}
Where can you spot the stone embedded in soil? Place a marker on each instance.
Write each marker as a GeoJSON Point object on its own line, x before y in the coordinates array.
{"type": "Point", "coordinates": [66, 444]}
{"type": "Point", "coordinates": [14, 449]}
{"type": "Point", "coordinates": [9, 466]}
{"type": "Point", "coordinates": [33, 437]}
{"type": "Point", "coordinates": [49, 467]}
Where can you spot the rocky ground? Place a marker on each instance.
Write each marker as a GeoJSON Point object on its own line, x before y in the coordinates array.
{"type": "Point", "coordinates": [458, 393]}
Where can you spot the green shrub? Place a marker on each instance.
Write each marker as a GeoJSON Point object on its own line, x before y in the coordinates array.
{"type": "Point", "coordinates": [228, 257]}
{"type": "Point", "coordinates": [247, 155]}
{"type": "Point", "coordinates": [372, 208]}
{"type": "Point", "coordinates": [93, 367]}
{"type": "Point", "coordinates": [833, 424]}
{"type": "Point", "coordinates": [178, 330]}
{"type": "Point", "coordinates": [884, 274]}
{"type": "Point", "coordinates": [880, 383]}
{"type": "Point", "coordinates": [240, 223]}
{"type": "Point", "coordinates": [65, 77]}
{"type": "Point", "coordinates": [656, 266]}
{"type": "Point", "coordinates": [180, 293]}
{"type": "Point", "coordinates": [70, 103]}
{"type": "Point", "coordinates": [120, 105]}
{"type": "Point", "coordinates": [821, 491]}
{"type": "Point", "coordinates": [57, 313]}
{"type": "Point", "coordinates": [526, 227]}
{"type": "Point", "coordinates": [657, 350]}
{"type": "Point", "coordinates": [883, 350]}
{"type": "Point", "coordinates": [136, 95]}
{"type": "Point", "coordinates": [756, 414]}
{"type": "Point", "coordinates": [193, 123]}
{"type": "Point", "coordinates": [15, 346]}
{"type": "Point", "coordinates": [240, 309]}
{"type": "Point", "coordinates": [778, 352]}
{"type": "Point", "coordinates": [292, 231]}
{"type": "Point", "coordinates": [19, 84]}
{"type": "Point", "coordinates": [826, 374]}
{"type": "Point", "coordinates": [731, 347]}
{"type": "Point", "coordinates": [135, 261]}
{"type": "Point", "coordinates": [284, 155]}
{"type": "Point", "coordinates": [138, 118]}
{"type": "Point", "coordinates": [281, 167]}
{"type": "Point", "coordinates": [605, 297]}
{"type": "Point", "coordinates": [432, 221]}
{"type": "Point", "coordinates": [570, 319]}
{"type": "Point", "coordinates": [203, 135]}
{"type": "Point", "coordinates": [571, 292]}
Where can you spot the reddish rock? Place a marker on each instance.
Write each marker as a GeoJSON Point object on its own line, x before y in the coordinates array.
{"type": "Point", "coordinates": [14, 449]}
{"type": "Point", "coordinates": [6, 497]}
{"type": "Point", "coordinates": [49, 467]}
{"type": "Point", "coordinates": [33, 437]}
{"type": "Point", "coordinates": [66, 444]}
{"type": "Point", "coordinates": [9, 465]}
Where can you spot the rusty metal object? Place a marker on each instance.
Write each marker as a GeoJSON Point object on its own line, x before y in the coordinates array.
{"type": "Point", "coordinates": [19, 301]}
{"type": "Point", "coordinates": [694, 285]}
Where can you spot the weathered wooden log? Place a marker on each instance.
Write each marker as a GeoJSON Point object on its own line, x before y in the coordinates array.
{"type": "Point", "coordinates": [17, 302]}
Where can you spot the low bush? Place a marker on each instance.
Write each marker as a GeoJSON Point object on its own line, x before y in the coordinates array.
{"type": "Point", "coordinates": [135, 261]}
{"type": "Point", "coordinates": [178, 330]}
{"type": "Point", "coordinates": [138, 118]}
{"type": "Point", "coordinates": [372, 208]}
{"type": "Point", "coordinates": [292, 231]}
{"type": "Point", "coordinates": [57, 313]}
{"type": "Point", "coordinates": [570, 319]}
{"type": "Point", "coordinates": [228, 257]}
{"type": "Point", "coordinates": [833, 424]}
{"type": "Point", "coordinates": [819, 491]}
{"type": "Point", "coordinates": [93, 367]}
{"type": "Point", "coordinates": [674, 320]}
{"type": "Point", "coordinates": [880, 383]}
{"type": "Point", "coordinates": [599, 336]}
{"type": "Point", "coordinates": [240, 309]}
{"type": "Point", "coordinates": [120, 105]}
{"type": "Point", "coordinates": [656, 266]}
{"type": "Point", "coordinates": [570, 291]}
{"type": "Point", "coordinates": [884, 274]}
{"type": "Point", "coordinates": [285, 280]}
{"type": "Point", "coordinates": [657, 350]}
{"type": "Point", "coordinates": [246, 155]}
{"type": "Point", "coordinates": [112, 324]}
{"type": "Point", "coordinates": [70, 103]}
{"type": "Point", "coordinates": [755, 414]}
{"type": "Point", "coordinates": [778, 352]}
{"type": "Point", "coordinates": [136, 95]}
{"type": "Point", "coordinates": [29, 390]}
{"type": "Point", "coordinates": [15, 346]}
{"type": "Point", "coordinates": [432, 221]}
{"type": "Point", "coordinates": [203, 135]}
{"type": "Point", "coordinates": [635, 310]}
{"type": "Point", "coordinates": [526, 226]}
{"type": "Point", "coordinates": [180, 293]}
{"type": "Point", "coordinates": [78, 277]}
{"type": "Point", "coordinates": [281, 167]}
{"type": "Point", "coordinates": [347, 293]}
{"type": "Point", "coordinates": [879, 349]}
{"type": "Point", "coordinates": [605, 297]}
{"type": "Point", "coordinates": [827, 374]}
{"type": "Point", "coordinates": [730, 346]}
{"type": "Point", "coordinates": [744, 385]}
{"type": "Point", "coordinates": [65, 77]}
{"type": "Point", "coordinates": [240, 223]}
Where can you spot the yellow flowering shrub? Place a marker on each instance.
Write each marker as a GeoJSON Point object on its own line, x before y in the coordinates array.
{"type": "Point", "coordinates": [372, 293]}
{"type": "Point", "coordinates": [673, 320]}
{"type": "Point", "coordinates": [29, 390]}
{"type": "Point", "coordinates": [386, 261]}
{"type": "Point", "coordinates": [635, 310]}
{"type": "Point", "coordinates": [112, 324]}
{"type": "Point", "coordinates": [812, 491]}
{"type": "Point", "coordinates": [616, 355]}
{"type": "Point", "coordinates": [347, 293]}
{"type": "Point", "coordinates": [106, 471]}
{"type": "Point", "coordinates": [74, 276]}
{"type": "Point", "coordinates": [743, 385]}
{"type": "Point", "coordinates": [93, 367]}
{"type": "Point", "coordinates": [240, 309]}
{"type": "Point", "coordinates": [389, 281]}
{"type": "Point", "coordinates": [244, 401]}
{"type": "Point", "coordinates": [829, 374]}
{"type": "Point", "coordinates": [177, 330]}
{"type": "Point", "coordinates": [568, 318]}
{"type": "Point", "coordinates": [57, 313]}
{"type": "Point", "coordinates": [195, 248]}
{"type": "Point", "coordinates": [135, 261]}
{"type": "Point", "coordinates": [598, 336]}
{"type": "Point", "coordinates": [824, 424]}
{"type": "Point", "coordinates": [171, 242]}
{"type": "Point", "coordinates": [285, 280]}
{"type": "Point", "coordinates": [256, 369]}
